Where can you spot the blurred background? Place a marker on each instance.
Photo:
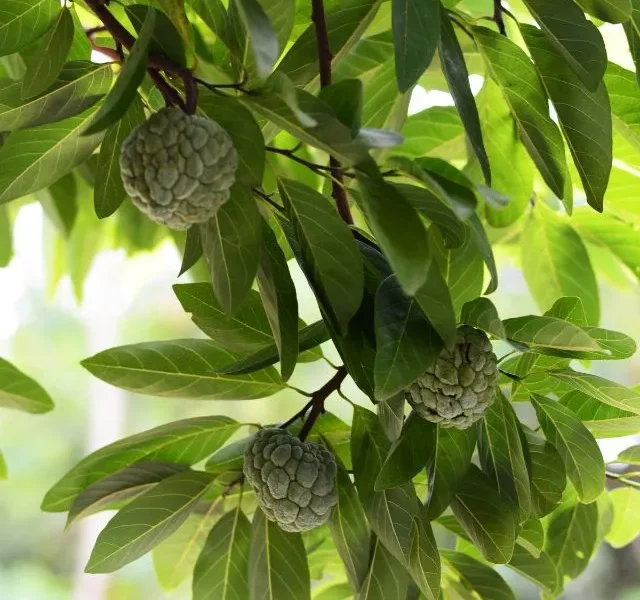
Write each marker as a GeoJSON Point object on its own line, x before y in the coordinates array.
{"type": "Point", "coordinates": [48, 323]}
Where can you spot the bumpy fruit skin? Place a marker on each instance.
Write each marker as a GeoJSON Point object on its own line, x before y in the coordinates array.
{"type": "Point", "coordinates": [294, 481]}
{"type": "Point", "coordinates": [460, 386]}
{"type": "Point", "coordinates": [178, 168]}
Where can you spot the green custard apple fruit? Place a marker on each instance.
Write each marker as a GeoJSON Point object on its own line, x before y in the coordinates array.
{"type": "Point", "coordinates": [459, 387]}
{"type": "Point", "coordinates": [294, 481]}
{"type": "Point", "coordinates": [178, 169]}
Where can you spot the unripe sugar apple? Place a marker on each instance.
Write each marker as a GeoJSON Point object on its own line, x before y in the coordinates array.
{"type": "Point", "coordinates": [294, 481]}
{"type": "Point", "coordinates": [178, 168]}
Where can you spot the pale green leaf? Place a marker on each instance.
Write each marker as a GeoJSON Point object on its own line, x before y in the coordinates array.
{"type": "Point", "coordinates": [20, 392]}
{"type": "Point", "coordinates": [23, 21]}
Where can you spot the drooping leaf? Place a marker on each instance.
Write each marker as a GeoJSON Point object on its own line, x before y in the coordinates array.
{"type": "Point", "coordinates": [547, 474]}
{"type": "Point", "coordinates": [481, 313]}
{"type": "Point", "coordinates": [231, 242]}
{"type": "Point", "coordinates": [263, 38]}
{"type": "Point", "coordinates": [424, 559]}
{"type": "Point", "coordinates": [479, 577]}
{"type": "Point", "coordinates": [20, 392]}
{"type": "Point", "coordinates": [192, 249]}
{"type": "Point", "coordinates": [386, 578]}
{"type": "Point", "coordinates": [23, 22]}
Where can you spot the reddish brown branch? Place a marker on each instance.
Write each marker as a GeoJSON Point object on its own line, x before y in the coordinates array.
{"type": "Point", "coordinates": [498, 17]}
{"type": "Point", "coordinates": [318, 398]}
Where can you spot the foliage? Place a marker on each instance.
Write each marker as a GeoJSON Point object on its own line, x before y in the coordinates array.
{"type": "Point", "coordinates": [394, 221]}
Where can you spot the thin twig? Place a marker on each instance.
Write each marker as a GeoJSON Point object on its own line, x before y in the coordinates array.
{"type": "Point", "coordinates": [620, 477]}
{"type": "Point", "coordinates": [267, 199]}
{"type": "Point", "coordinates": [497, 16]}
{"type": "Point", "coordinates": [317, 402]}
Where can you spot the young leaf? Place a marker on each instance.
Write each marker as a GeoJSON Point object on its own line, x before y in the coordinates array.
{"type": "Point", "coordinates": [489, 520]}
{"type": "Point", "coordinates": [221, 570]}
{"type": "Point", "coordinates": [631, 456]}
{"type": "Point", "coordinates": [20, 392]}
{"type": "Point", "coordinates": [264, 41]}
{"type": "Point", "coordinates": [477, 576]}
{"type": "Point", "coordinates": [280, 300]}
{"type": "Point", "coordinates": [126, 87]}
{"type": "Point", "coordinates": [575, 38]}
{"type": "Point", "coordinates": [416, 33]}
{"type": "Point", "coordinates": [322, 237]}
{"type": "Point", "coordinates": [148, 520]}
{"type": "Point", "coordinates": [577, 448]}
{"type": "Point", "coordinates": [502, 456]}
{"type": "Point", "coordinates": [547, 474]}
{"type": "Point", "coordinates": [108, 190]}
{"type": "Point", "coordinates": [455, 71]}
{"type": "Point", "coordinates": [79, 85]}
{"type": "Point", "coordinates": [387, 578]}
{"type": "Point", "coordinates": [23, 22]}
{"type": "Point", "coordinates": [231, 242]}
{"type": "Point", "coordinates": [409, 454]}
{"type": "Point", "coordinates": [406, 342]}
{"type": "Point", "coordinates": [449, 466]}
{"type": "Point", "coordinates": [45, 60]}
{"type": "Point", "coordinates": [184, 442]}
{"type": "Point", "coordinates": [182, 368]}
{"type": "Point", "coordinates": [626, 510]}
{"type": "Point", "coordinates": [481, 313]}
{"type": "Point", "coordinates": [585, 116]}
{"type": "Point", "coordinates": [555, 263]}
{"type": "Point", "coordinates": [350, 530]}
{"type": "Point", "coordinates": [516, 76]}
{"type": "Point", "coordinates": [278, 565]}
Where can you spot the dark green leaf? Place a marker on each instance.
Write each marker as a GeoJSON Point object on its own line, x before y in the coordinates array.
{"type": "Point", "coordinates": [125, 89]}
{"type": "Point", "coordinates": [323, 238]}
{"type": "Point", "coordinates": [516, 76]}
{"type": "Point", "coordinates": [387, 578]}
{"type": "Point", "coordinates": [148, 520]}
{"type": "Point", "coordinates": [616, 11]}
{"type": "Point", "coordinates": [180, 368]}
{"type": "Point", "coordinates": [264, 41]}
{"type": "Point", "coordinates": [277, 563]}
{"type": "Point", "coordinates": [585, 116]}
{"type": "Point", "coordinates": [479, 577]}
{"type": "Point", "coordinates": [45, 60]}
{"type": "Point", "coordinates": [577, 447]}
{"type": "Point", "coordinates": [455, 70]}
{"type": "Point", "coordinates": [108, 190]}
{"type": "Point", "coordinates": [345, 98]}
{"type": "Point", "coordinates": [547, 473]}
{"type": "Point", "coordinates": [20, 392]}
{"type": "Point", "coordinates": [541, 571]}
{"type": "Point", "coordinates": [481, 313]}
{"type": "Point", "coordinates": [60, 203]}
{"type": "Point", "coordinates": [221, 570]}
{"type": "Point", "coordinates": [452, 460]}
{"type": "Point", "coordinates": [231, 242]}
{"type": "Point", "coordinates": [228, 458]}
{"type": "Point", "coordinates": [481, 241]}
{"type": "Point", "coordinates": [192, 249]}
{"type": "Point", "coordinates": [531, 536]}
{"type": "Point", "coordinates": [23, 22]}
{"type": "Point", "coordinates": [391, 416]}
{"type": "Point", "coordinates": [424, 560]}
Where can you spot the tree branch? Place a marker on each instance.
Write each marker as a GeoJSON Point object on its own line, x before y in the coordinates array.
{"type": "Point", "coordinates": [497, 16]}
{"type": "Point", "coordinates": [324, 60]}
{"type": "Point", "coordinates": [318, 398]}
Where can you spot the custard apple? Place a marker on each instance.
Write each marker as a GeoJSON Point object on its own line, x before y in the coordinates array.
{"type": "Point", "coordinates": [178, 168]}
{"type": "Point", "coordinates": [461, 385]}
{"type": "Point", "coordinates": [294, 481]}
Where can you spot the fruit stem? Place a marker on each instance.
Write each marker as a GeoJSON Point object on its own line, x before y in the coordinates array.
{"type": "Point", "coordinates": [317, 401]}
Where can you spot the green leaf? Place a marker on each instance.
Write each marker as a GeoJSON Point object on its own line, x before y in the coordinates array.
{"type": "Point", "coordinates": [79, 85]}
{"type": "Point", "coordinates": [365, 56]}
{"type": "Point", "coordinates": [20, 392]}
{"type": "Point", "coordinates": [35, 158]}
{"type": "Point", "coordinates": [481, 241]}
{"type": "Point", "coordinates": [455, 71]}
{"type": "Point", "coordinates": [479, 577]}
{"type": "Point", "coordinates": [571, 536]}
{"type": "Point", "coordinates": [424, 560]}
{"type": "Point", "coordinates": [555, 263]}
{"type": "Point", "coordinates": [185, 442]}
{"type": "Point", "coordinates": [125, 89]}
{"type": "Point", "coordinates": [192, 249]}
{"type": "Point", "coordinates": [481, 313]}
{"type": "Point", "coordinates": [577, 447]}
{"type": "Point", "coordinates": [121, 486]}
{"type": "Point", "coordinates": [585, 116]}
{"type": "Point", "coordinates": [345, 98]}
{"type": "Point", "coordinates": [541, 570]}
{"type": "Point", "coordinates": [277, 563]}
{"type": "Point", "coordinates": [387, 578]}
{"type": "Point", "coordinates": [240, 124]}
{"type": "Point", "coordinates": [569, 309]}
{"type": "Point", "coordinates": [45, 60]}
{"type": "Point", "coordinates": [391, 416]}
{"type": "Point", "coordinates": [489, 520]}
{"type": "Point", "coordinates": [24, 22]}
{"type": "Point", "coordinates": [350, 530]}
{"type": "Point", "coordinates": [575, 38]}
{"type": "Point", "coordinates": [280, 301]}
{"type": "Point", "coordinates": [60, 203]}
{"type": "Point", "coordinates": [6, 234]}
{"type": "Point", "coordinates": [409, 454]}
{"type": "Point", "coordinates": [624, 94]}
{"type": "Point", "coordinates": [512, 170]}
{"type": "Point", "coordinates": [229, 458]}
{"type": "Point", "coordinates": [322, 238]}
{"type": "Point", "coordinates": [416, 34]}
{"type": "Point", "coordinates": [531, 536]}
{"type": "Point", "coordinates": [626, 512]}
{"type": "Point", "coordinates": [222, 567]}
{"type": "Point", "coordinates": [406, 342]}
{"type": "Point", "coordinates": [148, 520]}
{"type": "Point", "coordinates": [602, 420]}
{"type": "Point", "coordinates": [180, 368]}
{"type": "Point", "coordinates": [3, 467]}
{"type": "Point", "coordinates": [80, 46]}
{"type": "Point", "coordinates": [502, 456]}
{"type": "Point", "coordinates": [247, 330]}
{"type": "Point", "coordinates": [397, 228]}
{"type": "Point", "coordinates": [449, 467]}
{"type": "Point", "coordinates": [108, 190]}
{"type": "Point", "coordinates": [231, 242]}
{"type": "Point", "coordinates": [630, 456]}
{"type": "Point", "coordinates": [435, 131]}
{"type": "Point", "coordinates": [601, 389]}
{"type": "Point", "coordinates": [547, 474]}
{"type": "Point", "coordinates": [617, 11]}
{"type": "Point", "coordinates": [264, 41]}
{"type": "Point", "coordinates": [518, 80]}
